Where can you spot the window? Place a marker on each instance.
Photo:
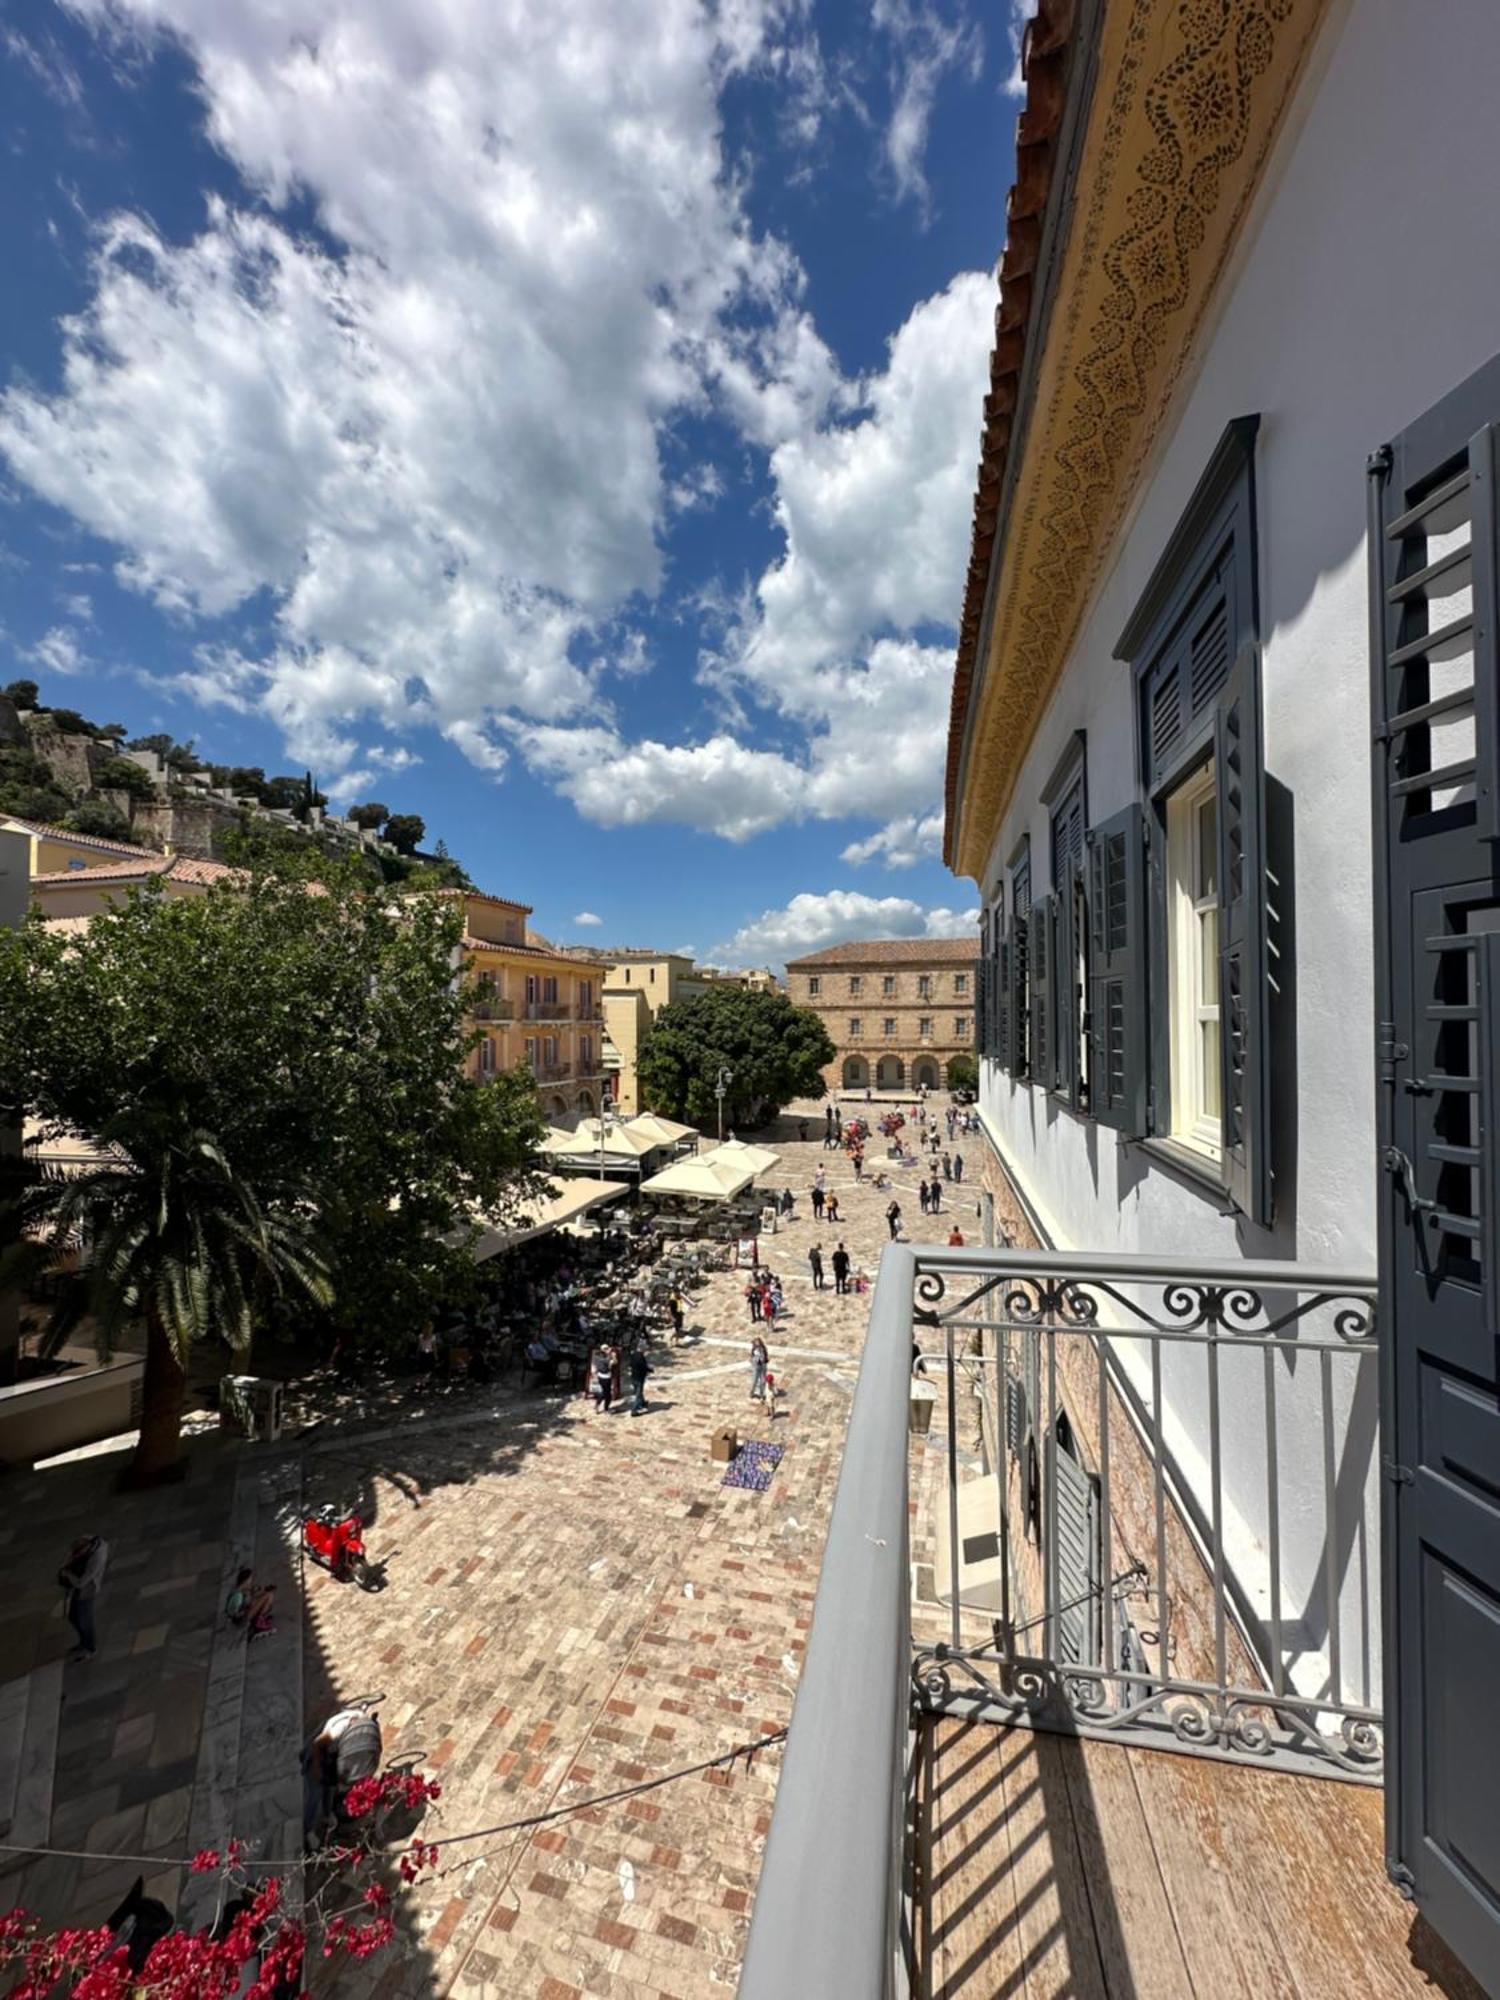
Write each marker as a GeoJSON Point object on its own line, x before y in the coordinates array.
{"type": "Point", "coordinates": [585, 1052]}
{"type": "Point", "coordinates": [924, 1027]}
{"type": "Point", "coordinates": [814, 986]}
{"type": "Point", "coordinates": [1188, 1041]}
{"type": "Point", "coordinates": [854, 1027]}
{"type": "Point", "coordinates": [531, 1052]}
{"type": "Point", "coordinates": [888, 986]}
{"type": "Point", "coordinates": [888, 1027]}
{"type": "Point", "coordinates": [585, 998]}
{"type": "Point", "coordinates": [487, 1056]}
{"type": "Point", "coordinates": [856, 986]}
{"type": "Point", "coordinates": [924, 985]}
{"type": "Point", "coordinates": [960, 1027]}
{"type": "Point", "coordinates": [1066, 955]}
{"type": "Point", "coordinates": [549, 1051]}
{"type": "Point", "coordinates": [533, 989]}
{"type": "Point", "coordinates": [1193, 962]}
{"type": "Point", "coordinates": [1017, 1055]}
{"type": "Point", "coordinates": [549, 991]}
{"type": "Point", "coordinates": [960, 984]}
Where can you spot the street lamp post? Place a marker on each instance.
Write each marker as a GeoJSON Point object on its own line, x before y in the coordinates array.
{"type": "Point", "coordinates": [722, 1083]}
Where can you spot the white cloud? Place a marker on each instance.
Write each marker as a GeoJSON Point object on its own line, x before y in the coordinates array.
{"type": "Point", "coordinates": [873, 513]}
{"type": "Point", "coordinates": [809, 922]}
{"type": "Point", "coordinates": [587, 919]}
{"type": "Point", "coordinates": [433, 438]}
{"type": "Point", "coordinates": [58, 651]}
{"type": "Point", "coordinates": [900, 843]}
{"type": "Point", "coordinates": [925, 48]}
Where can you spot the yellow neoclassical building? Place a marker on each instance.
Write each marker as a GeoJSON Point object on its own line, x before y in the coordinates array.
{"type": "Point", "coordinates": [533, 1004]}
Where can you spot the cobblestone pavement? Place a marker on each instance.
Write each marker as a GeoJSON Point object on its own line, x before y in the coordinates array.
{"type": "Point", "coordinates": [578, 1604]}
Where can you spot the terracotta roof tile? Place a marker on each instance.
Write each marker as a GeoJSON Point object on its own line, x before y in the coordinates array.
{"type": "Point", "coordinates": [1047, 67]}
{"type": "Point", "coordinates": [179, 867]}
{"type": "Point", "coordinates": [49, 832]}
{"type": "Point", "coordinates": [894, 951]}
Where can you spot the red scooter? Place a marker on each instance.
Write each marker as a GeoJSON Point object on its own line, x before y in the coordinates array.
{"type": "Point", "coordinates": [337, 1542]}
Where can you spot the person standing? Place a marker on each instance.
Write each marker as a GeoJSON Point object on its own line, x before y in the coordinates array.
{"type": "Point", "coordinates": [841, 1269]}
{"type": "Point", "coordinates": [859, 1165]}
{"type": "Point", "coordinates": [831, 1206]}
{"type": "Point", "coordinates": [947, 1166]}
{"type": "Point", "coordinates": [956, 1237]}
{"type": "Point", "coordinates": [934, 1193]}
{"type": "Point", "coordinates": [752, 1297]}
{"type": "Point", "coordinates": [760, 1360]}
{"type": "Point", "coordinates": [924, 1195]}
{"type": "Point", "coordinates": [893, 1219]}
{"type": "Point", "coordinates": [603, 1371]}
{"type": "Point", "coordinates": [82, 1578]}
{"type": "Point", "coordinates": [817, 1203]}
{"type": "Point", "coordinates": [815, 1265]}
{"type": "Point", "coordinates": [820, 1180]}
{"type": "Point", "coordinates": [678, 1311]}
{"type": "Point", "coordinates": [640, 1368]}
{"type": "Point", "coordinates": [958, 1166]}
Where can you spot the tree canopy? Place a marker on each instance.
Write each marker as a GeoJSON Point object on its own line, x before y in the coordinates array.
{"type": "Point", "coordinates": [406, 832]}
{"type": "Point", "coordinates": [775, 1051]}
{"type": "Point", "coordinates": [313, 1038]}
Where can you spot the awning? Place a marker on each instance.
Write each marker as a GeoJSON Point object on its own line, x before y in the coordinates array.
{"type": "Point", "coordinates": [701, 1179]}
{"type": "Point", "coordinates": [662, 1131]}
{"type": "Point", "coordinates": [620, 1143]}
{"type": "Point", "coordinates": [563, 1202]}
{"type": "Point", "coordinates": [756, 1158]}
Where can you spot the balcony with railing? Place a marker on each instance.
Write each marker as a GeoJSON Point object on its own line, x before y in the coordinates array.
{"type": "Point", "coordinates": [1097, 1624]}
{"type": "Point", "coordinates": [492, 1007]}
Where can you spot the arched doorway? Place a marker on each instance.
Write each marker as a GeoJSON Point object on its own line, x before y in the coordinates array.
{"type": "Point", "coordinates": [924, 1073]}
{"type": "Point", "coordinates": [556, 1109]}
{"type": "Point", "coordinates": [586, 1105]}
{"type": "Point", "coordinates": [889, 1072]}
{"type": "Point", "coordinates": [856, 1073]}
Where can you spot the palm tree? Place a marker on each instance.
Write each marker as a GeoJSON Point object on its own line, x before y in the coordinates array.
{"type": "Point", "coordinates": [170, 1234]}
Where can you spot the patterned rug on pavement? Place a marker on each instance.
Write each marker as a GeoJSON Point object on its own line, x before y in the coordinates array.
{"type": "Point", "coordinates": [753, 1465]}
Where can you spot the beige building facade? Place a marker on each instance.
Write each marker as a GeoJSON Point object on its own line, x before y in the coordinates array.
{"type": "Point", "coordinates": [533, 1005]}
{"type": "Point", "coordinates": [896, 1009]}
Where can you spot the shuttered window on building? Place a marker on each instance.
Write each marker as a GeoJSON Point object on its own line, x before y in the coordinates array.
{"type": "Point", "coordinates": [1192, 644]}
{"type": "Point", "coordinates": [1074, 1564]}
{"type": "Point", "coordinates": [1117, 971]}
{"type": "Point", "coordinates": [1018, 980]}
{"type": "Point", "coordinates": [1068, 942]}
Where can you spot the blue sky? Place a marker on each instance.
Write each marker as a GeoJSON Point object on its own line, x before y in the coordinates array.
{"type": "Point", "coordinates": [556, 422]}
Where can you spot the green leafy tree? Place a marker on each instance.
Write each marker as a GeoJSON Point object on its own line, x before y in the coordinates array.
{"type": "Point", "coordinates": [72, 723]}
{"type": "Point", "coordinates": [963, 1073]}
{"type": "Point", "coordinates": [774, 1051]}
{"type": "Point", "coordinates": [25, 694]}
{"type": "Point", "coordinates": [288, 1063]}
{"type": "Point", "coordinates": [104, 821]}
{"type": "Point", "coordinates": [283, 793]}
{"type": "Point", "coordinates": [405, 832]}
{"type": "Point", "coordinates": [160, 742]}
{"type": "Point", "coordinates": [28, 788]}
{"type": "Point", "coordinates": [371, 814]}
{"type": "Point", "coordinates": [121, 775]}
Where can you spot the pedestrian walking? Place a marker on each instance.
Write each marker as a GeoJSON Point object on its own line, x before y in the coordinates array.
{"type": "Point", "coordinates": [760, 1360]}
{"type": "Point", "coordinates": [956, 1237]}
{"type": "Point", "coordinates": [958, 1166]}
{"type": "Point", "coordinates": [815, 1265]}
{"type": "Point", "coordinates": [859, 1166]}
{"type": "Point", "coordinates": [893, 1219]}
{"type": "Point", "coordinates": [935, 1193]}
{"type": "Point", "coordinates": [831, 1206]}
{"type": "Point", "coordinates": [602, 1369]}
{"type": "Point", "coordinates": [817, 1204]}
{"type": "Point", "coordinates": [678, 1311]}
{"type": "Point", "coordinates": [923, 1196]}
{"type": "Point", "coordinates": [775, 1298]}
{"type": "Point", "coordinates": [788, 1201]}
{"type": "Point", "coordinates": [752, 1297]}
{"type": "Point", "coordinates": [947, 1166]}
{"type": "Point", "coordinates": [640, 1368]}
{"type": "Point", "coordinates": [820, 1179]}
{"type": "Point", "coordinates": [841, 1269]}
{"type": "Point", "coordinates": [82, 1578]}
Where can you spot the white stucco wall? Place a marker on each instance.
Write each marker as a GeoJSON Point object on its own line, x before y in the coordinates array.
{"type": "Point", "coordinates": [1366, 287]}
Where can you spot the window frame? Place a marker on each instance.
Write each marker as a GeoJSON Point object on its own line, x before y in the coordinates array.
{"type": "Point", "coordinates": [814, 986]}
{"type": "Point", "coordinates": [1192, 1082]}
{"type": "Point", "coordinates": [856, 986]}
{"type": "Point", "coordinates": [856, 1028]}
{"type": "Point", "coordinates": [1066, 797]}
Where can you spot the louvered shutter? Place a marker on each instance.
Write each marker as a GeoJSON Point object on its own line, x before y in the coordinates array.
{"type": "Point", "coordinates": [1117, 1003]}
{"type": "Point", "coordinates": [1020, 997]}
{"type": "Point", "coordinates": [982, 1006]}
{"type": "Point", "coordinates": [1244, 996]}
{"type": "Point", "coordinates": [1039, 946]}
{"type": "Point", "coordinates": [1067, 860]}
{"type": "Point", "coordinates": [1000, 996]}
{"type": "Point", "coordinates": [1075, 1561]}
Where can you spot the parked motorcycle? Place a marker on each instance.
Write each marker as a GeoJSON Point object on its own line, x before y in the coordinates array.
{"type": "Point", "coordinates": [337, 1543]}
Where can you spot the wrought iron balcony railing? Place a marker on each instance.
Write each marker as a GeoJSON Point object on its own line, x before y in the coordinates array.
{"type": "Point", "coordinates": [1145, 1512]}
{"type": "Point", "coordinates": [490, 1007]}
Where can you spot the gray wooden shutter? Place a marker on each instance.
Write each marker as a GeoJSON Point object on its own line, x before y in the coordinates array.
{"type": "Point", "coordinates": [1244, 998]}
{"type": "Point", "coordinates": [1117, 1003]}
{"type": "Point", "coordinates": [1039, 941]}
{"type": "Point", "coordinates": [1020, 996]}
{"type": "Point", "coordinates": [1075, 1560]}
{"type": "Point", "coordinates": [1000, 1001]}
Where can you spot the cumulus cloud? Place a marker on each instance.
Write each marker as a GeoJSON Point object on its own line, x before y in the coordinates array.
{"type": "Point", "coordinates": [836, 641]}
{"type": "Point", "coordinates": [901, 843]}
{"type": "Point", "coordinates": [587, 920]}
{"type": "Point", "coordinates": [58, 651]}
{"type": "Point", "coordinates": [809, 922]}
{"type": "Point", "coordinates": [431, 434]}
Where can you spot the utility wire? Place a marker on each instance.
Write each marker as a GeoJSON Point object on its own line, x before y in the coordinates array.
{"type": "Point", "coordinates": [745, 1750]}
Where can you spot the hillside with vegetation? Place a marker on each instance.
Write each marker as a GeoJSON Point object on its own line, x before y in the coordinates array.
{"type": "Point", "coordinates": [150, 791]}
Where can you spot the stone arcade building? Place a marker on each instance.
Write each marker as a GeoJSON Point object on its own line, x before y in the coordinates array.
{"type": "Point", "coordinates": [897, 1009]}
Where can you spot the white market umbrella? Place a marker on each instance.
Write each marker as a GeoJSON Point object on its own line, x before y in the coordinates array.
{"type": "Point", "coordinates": [702, 1179]}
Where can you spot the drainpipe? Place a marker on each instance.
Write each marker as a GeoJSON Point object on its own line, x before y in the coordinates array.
{"type": "Point", "coordinates": [15, 894]}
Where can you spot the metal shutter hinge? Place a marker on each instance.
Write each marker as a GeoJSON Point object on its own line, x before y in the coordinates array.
{"type": "Point", "coordinates": [1398, 1475]}
{"type": "Point", "coordinates": [1379, 463]}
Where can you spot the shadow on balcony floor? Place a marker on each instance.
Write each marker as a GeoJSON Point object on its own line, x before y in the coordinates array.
{"type": "Point", "coordinates": [1047, 1867]}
